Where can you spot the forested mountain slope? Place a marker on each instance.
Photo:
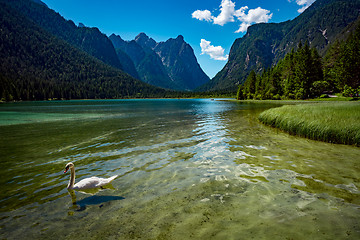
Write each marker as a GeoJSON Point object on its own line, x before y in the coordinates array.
{"type": "Point", "coordinates": [265, 44]}
{"type": "Point", "coordinates": [90, 40]}
{"type": "Point", "coordinates": [36, 65]}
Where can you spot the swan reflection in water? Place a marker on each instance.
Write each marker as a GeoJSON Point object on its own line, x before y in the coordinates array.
{"type": "Point", "coordinates": [91, 200]}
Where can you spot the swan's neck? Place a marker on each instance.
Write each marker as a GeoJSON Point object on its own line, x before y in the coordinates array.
{"type": "Point", "coordinates": [72, 178]}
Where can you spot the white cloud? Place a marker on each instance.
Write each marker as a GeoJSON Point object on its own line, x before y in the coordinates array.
{"type": "Point", "coordinates": [257, 15]}
{"type": "Point", "coordinates": [227, 10]}
{"type": "Point", "coordinates": [202, 15]}
{"type": "Point", "coordinates": [243, 27]}
{"type": "Point", "coordinates": [300, 10]}
{"type": "Point", "coordinates": [304, 3]}
{"type": "Point", "coordinates": [228, 14]}
{"type": "Point", "coordinates": [215, 52]}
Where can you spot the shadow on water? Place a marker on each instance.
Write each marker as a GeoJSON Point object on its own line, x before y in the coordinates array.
{"type": "Point", "coordinates": [92, 200]}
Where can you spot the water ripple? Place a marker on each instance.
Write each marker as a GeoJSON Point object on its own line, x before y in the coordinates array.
{"type": "Point", "coordinates": [187, 169]}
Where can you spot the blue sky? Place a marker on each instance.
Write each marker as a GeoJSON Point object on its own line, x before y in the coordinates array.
{"type": "Point", "coordinates": [209, 26]}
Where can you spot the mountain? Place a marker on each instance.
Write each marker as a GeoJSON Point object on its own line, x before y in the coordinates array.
{"type": "Point", "coordinates": [37, 65]}
{"type": "Point", "coordinates": [265, 44]}
{"type": "Point", "coordinates": [146, 42]}
{"type": "Point", "coordinates": [147, 63]}
{"type": "Point", "coordinates": [126, 62]}
{"type": "Point", "coordinates": [171, 64]}
{"type": "Point", "coordinates": [181, 64]}
{"type": "Point", "coordinates": [150, 67]}
{"type": "Point", "coordinates": [90, 40]}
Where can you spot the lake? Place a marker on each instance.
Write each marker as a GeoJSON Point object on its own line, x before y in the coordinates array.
{"type": "Point", "coordinates": [188, 169]}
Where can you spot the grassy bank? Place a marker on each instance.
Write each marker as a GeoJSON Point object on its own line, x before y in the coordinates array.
{"type": "Point", "coordinates": [335, 122]}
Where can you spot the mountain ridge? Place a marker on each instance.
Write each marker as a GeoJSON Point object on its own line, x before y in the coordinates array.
{"type": "Point", "coordinates": [179, 59]}
{"type": "Point", "coordinates": [147, 64]}
{"type": "Point", "coordinates": [36, 65]}
{"type": "Point", "coordinates": [171, 64]}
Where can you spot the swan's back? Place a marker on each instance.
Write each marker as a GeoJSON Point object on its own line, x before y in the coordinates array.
{"type": "Point", "coordinates": [93, 182]}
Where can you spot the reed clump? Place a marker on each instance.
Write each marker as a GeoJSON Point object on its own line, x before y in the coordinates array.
{"type": "Point", "coordinates": [334, 122]}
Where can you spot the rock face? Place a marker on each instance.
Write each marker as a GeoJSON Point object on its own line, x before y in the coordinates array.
{"type": "Point", "coordinates": [143, 40]}
{"type": "Point", "coordinates": [265, 44]}
{"type": "Point", "coordinates": [171, 64]}
{"type": "Point", "coordinates": [180, 63]}
{"type": "Point", "coordinates": [127, 63]}
{"type": "Point", "coordinates": [147, 63]}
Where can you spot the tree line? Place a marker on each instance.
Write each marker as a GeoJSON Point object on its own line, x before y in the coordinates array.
{"type": "Point", "coordinates": [303, 74]}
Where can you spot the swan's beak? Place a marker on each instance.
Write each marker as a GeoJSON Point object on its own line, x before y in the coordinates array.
{"type": "Point", "coordinates": [66, 169]}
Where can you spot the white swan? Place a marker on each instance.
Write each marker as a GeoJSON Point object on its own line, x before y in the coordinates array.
{"type": "Point", "coordinates": [87, 183]}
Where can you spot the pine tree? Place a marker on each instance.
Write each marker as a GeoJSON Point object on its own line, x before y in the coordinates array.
{"type": "Point", "coordinates": [249, 85]}
{"type": "Point", "coordinates": [342, 63]}
{"type": "Point", "coordinates": [287, 68]}
{"type": "Point", "coordinates": [350, 60]}
{"type": "Point", "coordinates": [240, 93]}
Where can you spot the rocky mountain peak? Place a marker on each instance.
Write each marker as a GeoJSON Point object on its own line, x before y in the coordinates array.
{"type": "Point", "coordinates": [141, 36]}
{"type": "Point", "coordinates": [180, 38]}
{"type": "Point", "coordinates": [114, 36]}
{"type": "Point", "coordinates": [145, 41]}
{"type": "Point", "coordinates": [170, 64]}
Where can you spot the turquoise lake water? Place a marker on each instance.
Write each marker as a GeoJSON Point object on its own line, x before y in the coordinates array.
{"type": "Point", "coordinates": [188, 169]}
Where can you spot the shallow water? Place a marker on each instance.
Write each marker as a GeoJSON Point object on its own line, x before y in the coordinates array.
{"type": "Point", "coordinates": [188, 169]}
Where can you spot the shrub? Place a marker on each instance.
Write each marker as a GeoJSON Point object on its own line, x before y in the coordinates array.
{"type": "Point", "coordinates": [319, 87]}
{"type": "Point", "coordinates": [276, 97]}
{"type": "Point", "coordinates": [324, 96]}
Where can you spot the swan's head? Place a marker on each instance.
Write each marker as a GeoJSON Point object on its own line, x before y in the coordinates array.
{"type": "Point", "coordinates": [68, 166]}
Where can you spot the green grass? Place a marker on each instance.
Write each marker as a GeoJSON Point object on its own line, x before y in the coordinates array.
{"type": "Point", "coordinates": [335, 122]}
